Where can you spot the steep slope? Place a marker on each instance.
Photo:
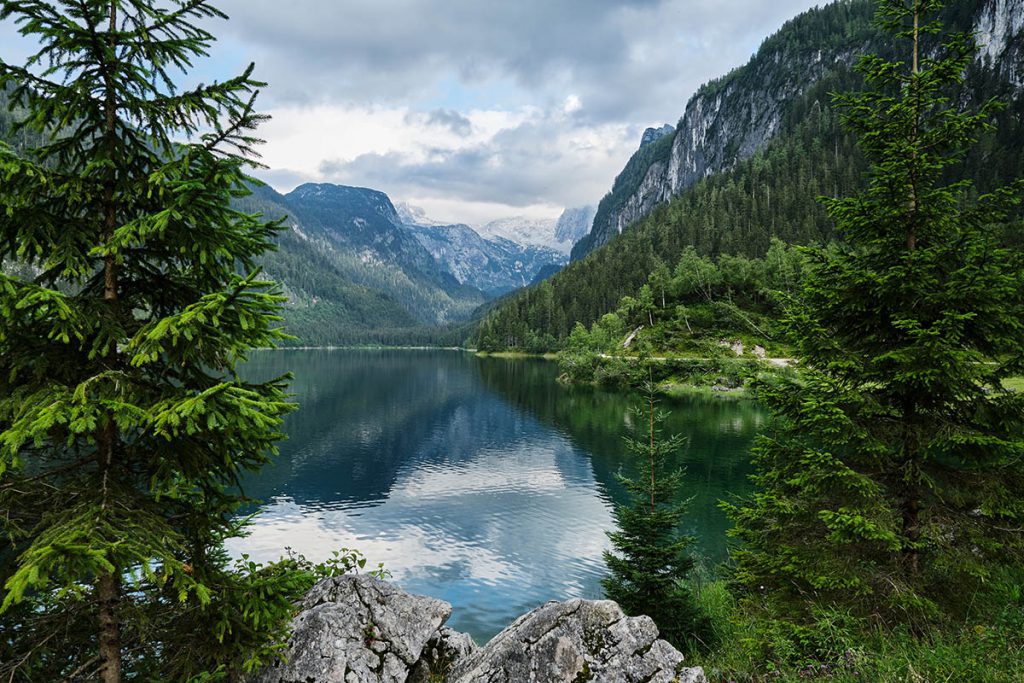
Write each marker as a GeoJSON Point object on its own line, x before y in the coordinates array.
{"type": "Point", "coordinates": [774, 192]}
{"type": "Point", "coordinates": [729, 119]}
{"type": "Point", "coordinates": [325, 305]}
{"type": "Point", "coordinates": [351, 273]}
{"type": "Point", "coordinates": [559, 235]}
{"type": "Point", "coordinates": [574, 223]}
{"type": "Point", "coordinates": [493, 266]}
{"type": "Point", "coordinates": [366, 222]}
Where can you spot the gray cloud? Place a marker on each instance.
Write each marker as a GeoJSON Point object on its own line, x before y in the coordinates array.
{"type": "Point", "coordinates": [628, 63]}
{"type": "Point", "coordinates": [518, 167]}
{"type": "Point", "coordinates": [444, 118]}
{"type": "Point", "coordinates": [627, 60]}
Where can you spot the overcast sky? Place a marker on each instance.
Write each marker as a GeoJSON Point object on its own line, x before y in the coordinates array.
{"type": "Point", "coordinates": [476, 109]}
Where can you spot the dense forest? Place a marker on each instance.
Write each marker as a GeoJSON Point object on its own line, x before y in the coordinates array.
{"type": "Point", "coordinates": [335, 298]}
{"type": "Point", "coordinates": [774, 194]}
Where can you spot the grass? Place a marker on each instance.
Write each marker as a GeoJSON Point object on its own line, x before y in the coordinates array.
{"type": "Point", "coordinates": [985, 647]}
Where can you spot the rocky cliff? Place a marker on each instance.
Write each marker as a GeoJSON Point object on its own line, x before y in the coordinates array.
{"type": "Point", "coordinates": [493, 266]}
{"type": "Point", "coordinates": [729, 119]}
{"type": "Point", "coordinates": [358, 629]}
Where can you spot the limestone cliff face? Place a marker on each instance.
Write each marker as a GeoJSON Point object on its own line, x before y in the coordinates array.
{"type": "Point", "coordinates": [728, 120]}
{"type": "Point", "coordinates": [999, 31]}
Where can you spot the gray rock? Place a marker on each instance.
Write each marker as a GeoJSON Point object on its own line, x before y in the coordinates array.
{"type": "Point", "coordinates": [357, 629]}
{"type": "Point", "coordinates": [575, 641]}
{"type": "Point", "coordinates": [443, 652]}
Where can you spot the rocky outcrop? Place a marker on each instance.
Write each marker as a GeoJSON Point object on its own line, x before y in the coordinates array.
{"type": "Point", "coordinates": [357, 629]}
{"type": "Point", "coordinates": [578, 640]}
{"type": "Point", "coordinates": [652, 135]}
{"type": "Point", "coordinates": [446, 649]}
{"type": "Point", "coordinates": [730, 119]}
{"type": "Point", "coordinates": [999, 32]}
{"type": "Point", "coordinates": [573, 224]}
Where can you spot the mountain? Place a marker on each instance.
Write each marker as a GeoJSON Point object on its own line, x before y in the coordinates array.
{"type": "Point", "coordinates": [559, 234]}
{"type": "Point", "coordinates": [574, 224]}
{"type": "Point", "coordinates": [728, 120]}
{"type": "Point", "coordinates": [366, 222]}
{"type": "Point", "coordinates": [785, 153]}
{"type": "Point", "coordinates": [352, 272]}
{"type": "Point", "coordinates": [494, 266]}
{"type": "Point", "coordinates": [652, 135]}
{"type": "Point", "coordinates": [413, 215]}
{"type": "Point", "coordinates": [538, 232]}
{"type": "Point", "coordinates": [545, 273]}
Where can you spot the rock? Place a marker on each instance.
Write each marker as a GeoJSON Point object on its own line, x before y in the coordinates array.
{"type": "Point", "coordinates": [760, 352]}
{"type": "Point", "coordinates": [735, 346]}
{"type": "Point", "coordinates": [574, 641]}
{"type": "Point", "coordinates": [443, 652]}
{"type": "Point", "coordinates": [357, 629]}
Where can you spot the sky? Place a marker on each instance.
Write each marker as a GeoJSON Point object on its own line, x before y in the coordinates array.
{"type": "Point", "coordinates": [474, 109]}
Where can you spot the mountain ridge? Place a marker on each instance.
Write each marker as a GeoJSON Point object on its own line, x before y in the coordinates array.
{"type": "Point", "coordinates": [730, 118]}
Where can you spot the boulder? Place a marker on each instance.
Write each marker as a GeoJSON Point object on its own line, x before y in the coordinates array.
{"type": "Point", "coordinates": [358, 629]}
{"type": "Point", "coordinates": [575, 641]}
{"type": "Point", "coordinates": [444, 650]}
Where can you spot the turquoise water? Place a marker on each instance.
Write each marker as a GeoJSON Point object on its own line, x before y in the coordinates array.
{"type": "Point", "coordinates": [482, 482]}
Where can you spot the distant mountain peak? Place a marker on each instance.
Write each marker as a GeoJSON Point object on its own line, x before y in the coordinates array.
{"type": "Point", "coordinates": [414, 215]}
{"type": "Point", "coordinates": [574, 224]}
{"type": "Point", "coordinates": [558, 234]}
{"type": "Point", "coordinates": [654, 134]}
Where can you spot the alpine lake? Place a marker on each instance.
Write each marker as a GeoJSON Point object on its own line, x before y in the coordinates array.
{"type": "Point", "coordinates": [480, 481]}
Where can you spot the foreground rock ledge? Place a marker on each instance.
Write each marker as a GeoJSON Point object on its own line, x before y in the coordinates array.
{"type": "Point", "coordinates": [356, 628]}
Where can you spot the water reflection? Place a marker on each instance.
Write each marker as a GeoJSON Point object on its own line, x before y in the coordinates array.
{"type": "Point", "coordinates": [481, 482]}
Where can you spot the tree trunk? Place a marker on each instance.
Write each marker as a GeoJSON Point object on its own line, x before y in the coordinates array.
{"type": "Point", "coordinates": [910, 501]}
{"type": "Point", "coordinates": [911, 509]}
{"type": "Point", "coordinates": [108, 593]}
{"type": "Point", "coordinates": [912, 233]}
{"type": "Point", "coordinates": [108, 586]}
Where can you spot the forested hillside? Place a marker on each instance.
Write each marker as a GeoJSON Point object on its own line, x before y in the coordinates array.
{"type": "Point", "coordinates": [341, 291]}
{"type": "Point", "coordinates": [773, 194]}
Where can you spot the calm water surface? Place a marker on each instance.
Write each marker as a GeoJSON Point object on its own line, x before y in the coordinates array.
{"type": "Point", "coordinates": [482, 482]}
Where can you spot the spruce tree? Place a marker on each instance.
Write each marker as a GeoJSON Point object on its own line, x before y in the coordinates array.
{"type": "Point", "coordinates": [124, 427]}
{"type": "Point", "coordinates": [650, 558]}
{"type": "Point", "coordinates": [890, 485]}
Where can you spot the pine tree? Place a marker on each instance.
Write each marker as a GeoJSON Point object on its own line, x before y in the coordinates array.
{"type": "Point", "coordinates": [890, 485]}
{"type": "Point", "coordinates": [651, 556]}
{"type": "Point", "coordinates": [124, 427]}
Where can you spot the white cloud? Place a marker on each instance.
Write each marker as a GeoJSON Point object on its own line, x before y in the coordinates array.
{"type": "Point", "coordinates": [514, 106]}
{"type": "Point", "coordinates": [490, 164]}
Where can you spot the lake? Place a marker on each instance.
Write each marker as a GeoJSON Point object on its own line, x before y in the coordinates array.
{"type": "Point", "coordinates": [480, 481]}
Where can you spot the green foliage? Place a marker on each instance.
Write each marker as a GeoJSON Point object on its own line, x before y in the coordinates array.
{"type": "Point", "coordinates": [625, 185]}
{"type": "Point", "coordinates": [650, 558]}
{"type": "Point", "coordinates": [124, 428]}
{"type": "Point", "coordinates": [985, 645]}
{"type": "Point", "coordinates": [773, 194]}
{"type": "Point", "coordinates": [334, 297]}
{"type": "Point", "coordinates": [693, 314]}
{"type": "Point", "coordinates": [890, 482]}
